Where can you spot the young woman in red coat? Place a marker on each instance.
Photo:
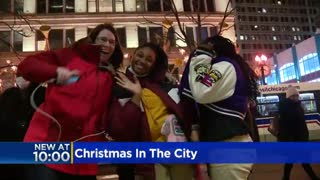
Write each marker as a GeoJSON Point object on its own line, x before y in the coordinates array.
{"type": "Point", "coordinates": [78, 109]}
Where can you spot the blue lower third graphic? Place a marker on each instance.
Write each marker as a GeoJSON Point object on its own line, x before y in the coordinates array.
{"type": "Point", "coordinates": [169, 153]}
{"type": "Point", "coordinates": [196, 152]}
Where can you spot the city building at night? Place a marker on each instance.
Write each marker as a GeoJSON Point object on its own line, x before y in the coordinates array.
{"type": "Point", "coordinates": [300, 63]}
{"type": "Point", "coordinates": [136, 22]}
{"type": "Point", "coordinates": [271, 26]}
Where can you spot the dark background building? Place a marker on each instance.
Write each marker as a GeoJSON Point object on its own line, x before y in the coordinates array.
{"type": "Point", "coordinates": [270, 26]}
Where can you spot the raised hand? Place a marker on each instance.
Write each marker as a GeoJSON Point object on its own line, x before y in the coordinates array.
{"type": "Point", "coordinates": [64, 74]}
{"type": "Point", "coordinates": [133, 86]}
{"type": "Point", "coordinates": [171, 78]}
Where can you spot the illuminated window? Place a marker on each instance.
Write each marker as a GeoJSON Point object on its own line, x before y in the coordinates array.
{"type": "Point", "coordinates": [264, 10]}
{"type": "Point", "coordinates": [105, 5]}
{"type": "Point", "coordinates": [309, 64]}
{"type": "Point", "coordinates": [69, 6]}
{"type": "Point", "coordinates": [55, 6]}
{"type": "Point", "coordinates": [119, 5]}
{"type": "Point", "coordinates": [272, 78]}
{"type": "Point", "coordinates": [140, 5]}
{"type": "Point", "coordinates": [308, 102]}
{"type": "Point", "coordinates": [287, 72]}
{"type": "Point", "coordinates": [40, 39]}
{"type": "Point", "coordinates": [268, 106]}
{"type": "Point", "coordinates": [92, 6]}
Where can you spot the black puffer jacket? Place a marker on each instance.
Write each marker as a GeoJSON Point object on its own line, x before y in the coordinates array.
{"type": "Point", "coordinates": [292, 125]}
{"type": "Point", "coordinates": [16, 111]}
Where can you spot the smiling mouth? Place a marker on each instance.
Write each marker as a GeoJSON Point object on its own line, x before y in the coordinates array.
{"type": "Point", "coordinates": [106, 53]}
{"type": "Point", "coordinates": [139, 66]}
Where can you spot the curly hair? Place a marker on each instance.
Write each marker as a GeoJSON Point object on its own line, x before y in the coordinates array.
{"type": "Point", "coordinates": [225, 47]}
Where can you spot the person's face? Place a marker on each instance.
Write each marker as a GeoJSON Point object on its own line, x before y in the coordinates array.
{"type": "Point", "coordinates": [294, 98]}
{"type": "Point", "coordinates": [107, 41]}
{"type": "Point", "coordinates": [143, 61]}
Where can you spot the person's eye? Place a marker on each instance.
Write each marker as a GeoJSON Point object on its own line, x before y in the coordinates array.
{"type": "Point", "coordinates": [140, 54]}
{"type": "Point", "coordinates": [149, 59]}
{"type": "Point", "coordinates": [103, 39]}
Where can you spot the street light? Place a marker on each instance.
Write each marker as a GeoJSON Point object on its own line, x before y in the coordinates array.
{"type": "Point", "coordinates": [262, 63]}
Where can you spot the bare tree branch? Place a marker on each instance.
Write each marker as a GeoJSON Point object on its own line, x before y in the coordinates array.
{"type": "Point", "coordinates": [208, 24]}
{"type": "Point", "coordinates": [195, 17]}
{"type": "Point", "coordinates": [176, 14]}
{"type": "Point", "coordinates": [16, 26]}
{"type": "Point", "coordinates": [151, 22]}
{"type": "Point", "coordinates": [198, 22]}
{"type": "Point", "coordinates": [224, 17]}
{"type": "Point", "coordinates": [191, 18]}
{"type": "Point", "coordinates": [226, 29]}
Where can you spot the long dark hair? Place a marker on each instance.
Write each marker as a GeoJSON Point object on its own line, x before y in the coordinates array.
{"type": "Point", "coordinates": [224, 47]}
{"type": "Point", "coordinates": [117, 56]}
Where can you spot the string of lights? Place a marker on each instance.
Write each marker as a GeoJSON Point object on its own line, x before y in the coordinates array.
{"type": "Point", "coordinates": [7, 76]}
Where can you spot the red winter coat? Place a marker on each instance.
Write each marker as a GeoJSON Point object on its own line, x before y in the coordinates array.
{"type": "Point", "coordinates": [78, 107]}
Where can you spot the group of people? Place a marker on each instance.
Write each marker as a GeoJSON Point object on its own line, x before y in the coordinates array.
{"type": "Point", "coordinates": [210, 103]}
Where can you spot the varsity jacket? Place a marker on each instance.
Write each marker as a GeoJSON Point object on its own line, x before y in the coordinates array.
{"type": "Point", "coordinates": [217, 88]}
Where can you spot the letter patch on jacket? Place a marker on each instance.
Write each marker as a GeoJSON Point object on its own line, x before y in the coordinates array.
{"type": "Point", "coordinates": [172, 130]}
{"type": "Point", "coordinates": [206, 75]}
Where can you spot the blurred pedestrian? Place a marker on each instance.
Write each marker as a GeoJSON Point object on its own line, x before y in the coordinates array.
{"type": "Point", "coordinates": [293, 127]}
